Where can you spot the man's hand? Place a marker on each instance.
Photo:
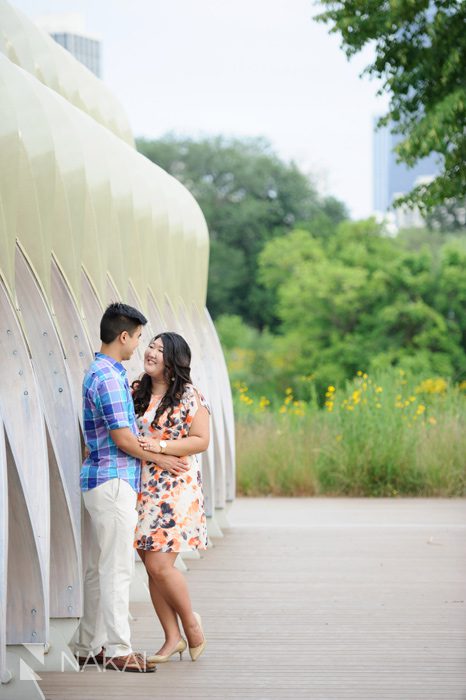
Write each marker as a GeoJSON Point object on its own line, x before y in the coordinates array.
{"type": "Point", "coordinates": [174, 465]}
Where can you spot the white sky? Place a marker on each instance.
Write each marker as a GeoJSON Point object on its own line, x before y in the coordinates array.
{"type": "Point", "coordinates": [241, 68]}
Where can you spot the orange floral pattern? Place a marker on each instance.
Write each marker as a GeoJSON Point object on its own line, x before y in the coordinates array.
{"type": "Point", "coordinates": [171, 508]}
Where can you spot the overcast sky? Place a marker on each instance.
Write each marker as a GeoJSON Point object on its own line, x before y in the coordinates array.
{"type": "Point", "coordinates": [242, 68]}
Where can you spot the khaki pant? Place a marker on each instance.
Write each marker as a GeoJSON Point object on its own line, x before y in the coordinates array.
{"type": "Point", "coordinates": [105, 621]}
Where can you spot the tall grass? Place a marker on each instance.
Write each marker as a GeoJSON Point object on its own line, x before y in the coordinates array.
{"type": "Point", "coordinates": [385, 435]}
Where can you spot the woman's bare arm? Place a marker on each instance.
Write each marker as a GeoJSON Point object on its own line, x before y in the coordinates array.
{"type": "Point", "coordinates": [197, 440]}
{"type": "Point", "coordinates": [127, 442]}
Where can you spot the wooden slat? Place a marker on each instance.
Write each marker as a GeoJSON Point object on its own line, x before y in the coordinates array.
{"type": "Point", "coordinates": [323, 599]}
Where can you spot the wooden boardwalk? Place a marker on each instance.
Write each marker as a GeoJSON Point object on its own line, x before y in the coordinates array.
{"type": "Point", "coordinates": [323, 599]}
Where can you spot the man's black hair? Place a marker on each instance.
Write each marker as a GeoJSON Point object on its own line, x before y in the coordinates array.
{"type": "Point", "coordinates": [118, 318]}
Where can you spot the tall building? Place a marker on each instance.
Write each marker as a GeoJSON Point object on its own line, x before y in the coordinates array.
{"type": "Point", "coordinates": [391, 179]}
{"type": "Point", "coordinates": [69, 32]}
{"type": "Point", "coordinates": [84, 48]}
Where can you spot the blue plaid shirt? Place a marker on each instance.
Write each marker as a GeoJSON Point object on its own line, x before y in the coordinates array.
{"type": "Point", "coordinates": [107, 405]}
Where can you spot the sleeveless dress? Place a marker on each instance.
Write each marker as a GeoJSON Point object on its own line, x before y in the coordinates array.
{"type": "Point", "coordinates": [171, 515]}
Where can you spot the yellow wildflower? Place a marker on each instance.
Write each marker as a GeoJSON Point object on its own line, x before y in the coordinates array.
{"type": "Point", "coordinates": [436, 385]}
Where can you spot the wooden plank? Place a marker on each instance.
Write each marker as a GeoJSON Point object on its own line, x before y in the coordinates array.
{"type": "Point", "coordinates": [323, 599]}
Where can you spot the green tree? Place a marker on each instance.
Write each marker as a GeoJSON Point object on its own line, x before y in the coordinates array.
{"type": "Point", "coordinates": [249, 354]}
{"type": "Point", "coordinates": [360, 300]}
{"type": "Point", "coordinates": [248, 196]}
{"type": "Point", "coordinates": [420, 55]}
{"type": "Point", "coordinates": [450, 297]}
{"type": "Point", "coordinates": [450, 217]}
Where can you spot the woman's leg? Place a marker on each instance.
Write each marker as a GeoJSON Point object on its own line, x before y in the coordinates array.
{"type": "Point", "coordinates": [172, 585]}
{"type": "Point", "coordinates": [166, 614]}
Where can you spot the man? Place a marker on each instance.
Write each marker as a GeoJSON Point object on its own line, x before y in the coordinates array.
{"type": "Point", "coordinates": [110, 481]}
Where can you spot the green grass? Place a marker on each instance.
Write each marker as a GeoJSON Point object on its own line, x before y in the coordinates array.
{"type": "Point", "coordinates": [389, 435]}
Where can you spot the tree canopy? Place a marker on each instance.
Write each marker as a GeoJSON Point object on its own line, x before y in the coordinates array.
{"type": "Point", "coordinates": [249, 196]}
{"type": "Point", "coordinates": [298, 291]}
{"type": "Point", "coordinates": [357, 300]}
{"type": "Point", "coordinates": [420, 55]}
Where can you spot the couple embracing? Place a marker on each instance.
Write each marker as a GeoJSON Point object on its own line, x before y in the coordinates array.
{"type": "Point", "coordinates": [141, 485]}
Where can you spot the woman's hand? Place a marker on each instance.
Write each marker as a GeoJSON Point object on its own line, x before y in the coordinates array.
{"type": "Point", "coordinates": [172, 464]}
{"type": "Point", "coordinates": [149, 444]}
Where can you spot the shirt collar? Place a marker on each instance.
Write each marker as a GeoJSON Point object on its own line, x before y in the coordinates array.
{"type": "Point", "coordinates": [117, 365]}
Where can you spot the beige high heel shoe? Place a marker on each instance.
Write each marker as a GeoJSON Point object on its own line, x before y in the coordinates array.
{"type": "Point", "coordinates": [195, 652]}
{"type": "Point", "coordinates": [162, 658]}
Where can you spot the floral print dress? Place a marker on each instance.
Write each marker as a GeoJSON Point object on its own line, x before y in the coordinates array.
{"type": "Point", "coordinates": [171, 508]}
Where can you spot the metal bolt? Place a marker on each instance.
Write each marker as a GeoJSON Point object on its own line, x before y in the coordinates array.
{"type": "Point", "coordinates": [81, 354]}
{"type": "Point", "coordinates": [44, 333]}
{"type": "Point", "coordinates": [26, 393]}
{"type": "Point", "coordinates": [33, 611]}
{"type": "Point", "coordinates": [5, 676]}
{"type": "Point", "coordinates": [70, 608]}
{"type": "Point", "coordinates": [76, 337]}
{"type": "Point", "coordinates": [15, 352]}
{"type": "Point", "coordinates": [20, 372]}
{"type": "Point", "coordinates": [8, 332]}
{"type": "Point", "coordinates": [50, 352]}
{"type": "Point", "coordinates": [60, 390]}
{"type": "Point", "coordinates": [70, 588]}
{"type": "Point", "coordinates": [34, 634]}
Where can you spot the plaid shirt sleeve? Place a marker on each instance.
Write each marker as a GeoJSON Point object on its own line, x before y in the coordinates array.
{"type": "Point", "coordinates": [111, 400]}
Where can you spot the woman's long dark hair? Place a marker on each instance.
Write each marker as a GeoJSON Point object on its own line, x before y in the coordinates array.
{"type": "Point", "coordinates": [177, 372]}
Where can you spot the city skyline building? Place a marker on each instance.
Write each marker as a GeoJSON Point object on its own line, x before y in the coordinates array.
{"type": "Point", "coordinates": [68, 31]}
{"type": "Point", "coordinates": [392, 179]}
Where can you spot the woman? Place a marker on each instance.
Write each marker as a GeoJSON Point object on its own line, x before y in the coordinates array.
{"type": "Point", "coordinates": [173, 418]}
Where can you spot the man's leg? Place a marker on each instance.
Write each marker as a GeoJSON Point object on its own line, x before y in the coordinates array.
{"type": "Point", "coordinates": [91, 633]}
{"type": "Point", "coordinates": [112, 507]}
